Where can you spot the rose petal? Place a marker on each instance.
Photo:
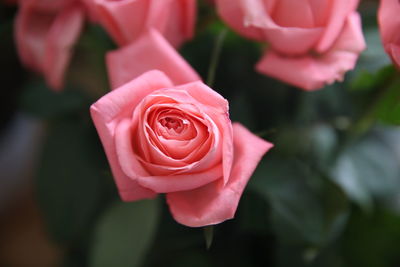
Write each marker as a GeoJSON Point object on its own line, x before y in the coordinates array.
{"type": "Point", "coordinates": [128, 189]}
{"type": "Point", "coordinates": [394, 52]}
{"type": "Point", "coordinates": [257, 13]}
{"type": "Point", "coordinates": [175, 19]}
{"type": "Point", "coordinates": [212, 204]}
{"type": "Point", "coordinates": [339, 11]}
{"type": "Point", "coordinates": [293, 41]}
{"type": "Point", "coordinates": [183, 182]}
{"type": "Point", "coordinates": [206, 96]}
{"type": "Point", "coordinates": [31, 29]}
{"type": "Point", "coordinates": [61, 38]}
{"type": "Point", "coordinates": [351, 38]}
{"type": "Point", "coordinates": [124, 150]}
{"type": "Point", "coordinates": [389, 21]}
{"type": "Point", "coordinates": [124, 20]}
{"type": "Point", "coordinates": [313, 72]}
{"type": "Point", "coordinates": [149, 52]}
{"type": "Point", "coordinates": [320, 10]}
{"type": "Point", "coordinates": [232, 13]}
{"type": "Point", "coordinates": [389, 25]}
{"type": "Point", "coordinates": [293, 13]}
{"type": "Point", "coordinates": [288, 40]}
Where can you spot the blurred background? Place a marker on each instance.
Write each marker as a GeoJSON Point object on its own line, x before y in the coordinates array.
{"type": "Point", "coordinates": [328, 194]}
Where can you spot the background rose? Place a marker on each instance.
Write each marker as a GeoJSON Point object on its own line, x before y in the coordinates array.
{"type": "Point", "coordinates": [126, 20]}
{"type": "Point", "coordinates": [311, 42]}
{"type": "Point", "coordinates": [389, 24]}
{"type": "Point", "coordinates": [45, 32]}
{"type": "Point", "coordinates": [177, 140]}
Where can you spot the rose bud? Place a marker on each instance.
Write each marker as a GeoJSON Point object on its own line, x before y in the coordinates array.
{"type": "Point", "coordinates": [311, 43]}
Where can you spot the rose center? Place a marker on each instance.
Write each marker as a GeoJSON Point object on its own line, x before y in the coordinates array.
{"type": "Point", "coordinates": [172, 124]}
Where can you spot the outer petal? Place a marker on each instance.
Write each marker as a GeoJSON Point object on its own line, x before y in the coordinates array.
{"type": "Point", "coordinates": [183, 182]}
{"type": "Point", "coordinates": [189, 12]}
{"type": "Point", "coordinates": [294, 13]}
{"type": "Point", "coordinates": [340, 10]}
{"type": "Point", "coordinates": [313, 72]}
{"type": "Point", "coordinates": [60, 40]}
{"type": "Point", "coordinates": [107, 113]}
{"type": "Point", "coordinates": [127, 159]}
{"type": "Point", "coordinates": [175, 19]}
{"type": "Point", "coordinates": [206, 96]}
{"type": "Point", "coordinates": [389, 25]}
{"type": "Point", "coordinates": [232, 13]}
{"type": "Point", "coordinates": [293, 41]}
{"type": "Point", "coordinates": [389, 21]}
{"type": "Point", "coordinates": [149, 52]}
{"type": "Point", "coordinates": [394, 52]}
{"type": "Point", "coordinates": [212, 204]}
{"type": "Point", "coordinates": [289, 40]}
{"type": "Point", "coordinates": [124, 20]}
{"type": "Point", "coordinates": [30, 33]}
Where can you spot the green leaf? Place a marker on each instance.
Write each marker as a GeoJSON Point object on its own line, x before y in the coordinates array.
{"type": "Point", "coordinates": [306, 208]}
{"type": "Point", "coordinates": [43, 102]}
{"type": "Point", "coordinates": [372, 239]}
{"type": "Point", "coordinates": [124, 234]}
{"type": "Point", "coordinates": [388, 108]}
{"type": "Point", "coordinates": [367, 169]}
{"type": "Point", "coordinates": [71, 181]}
{"type": "Point", "coordinates": [366, 80]}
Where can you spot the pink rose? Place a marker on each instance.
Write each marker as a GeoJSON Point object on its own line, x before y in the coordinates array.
{"type": "Point", "coordinates": [312, 43]}
{"type": "Point", "coordinates": [126, 20]}
{"type": "Point", "coordinates": [45, 32]}
{"type": "Point", "coordinates": [178, 140]}
{"type": "Point", "coordinates": [389, 24]}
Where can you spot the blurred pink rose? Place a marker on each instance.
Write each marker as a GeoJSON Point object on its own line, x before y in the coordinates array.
{"type": "Point", "coordinates": [389, 25]}
{"type": "Point", "coordinates": [126, 20]}
{"type": "Point", "coordinates": [178, 140]}
{"type": "Point", "coordinates": [45, 32]}
{"type": "Point", "coordinates": [312, 43]}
